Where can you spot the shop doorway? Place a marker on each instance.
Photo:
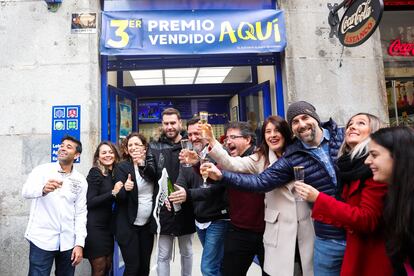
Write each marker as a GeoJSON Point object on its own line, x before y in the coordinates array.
{"type": "Point", "coordinates": [136, 99]}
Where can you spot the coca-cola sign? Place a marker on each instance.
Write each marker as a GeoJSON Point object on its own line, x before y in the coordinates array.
{"type": "Point", "coordinates": [360, 21]}
{"type": "Point", "coordinates": [398, 48]}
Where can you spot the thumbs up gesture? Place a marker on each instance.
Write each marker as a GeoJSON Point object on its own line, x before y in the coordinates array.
{"type": "Point", "coordinates": [129, 184]}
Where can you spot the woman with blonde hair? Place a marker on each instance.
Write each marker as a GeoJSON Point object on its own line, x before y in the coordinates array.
{"type": "Point", "coordinates": [360, 207]}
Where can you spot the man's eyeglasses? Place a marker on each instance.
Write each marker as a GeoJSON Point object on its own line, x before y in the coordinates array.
{"type": "Point", "coordinates": [232, 137]}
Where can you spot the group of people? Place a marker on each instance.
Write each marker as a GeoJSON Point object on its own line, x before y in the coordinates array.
{"type": "Point", "coordinates": [353, 214]}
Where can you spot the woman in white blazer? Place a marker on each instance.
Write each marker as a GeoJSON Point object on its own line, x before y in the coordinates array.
{"type": "Point", "coordinates": [287, 221]}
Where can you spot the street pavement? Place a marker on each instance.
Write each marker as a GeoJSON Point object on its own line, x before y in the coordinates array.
{"type": "Point", "coordinates": [197, 251]}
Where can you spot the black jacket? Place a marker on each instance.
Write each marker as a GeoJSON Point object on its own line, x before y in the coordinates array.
{"type": "Point", "coordinates": [209, 204]}
{"type": "Point", "coordinates": [281, 173]}
{"type": "Point", "coordinates": [166, 155]}
{"type": "Point", "coordinates": [127, 202]}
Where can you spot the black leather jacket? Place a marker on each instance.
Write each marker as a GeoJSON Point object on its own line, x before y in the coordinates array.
{"type": "Point", "coordinates": [166, 156]}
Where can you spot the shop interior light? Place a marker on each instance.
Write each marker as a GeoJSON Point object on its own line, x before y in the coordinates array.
{"type": "Point", "coordinates": [180, 73]}
{"type": "Point", "coordinates": [214, 72]}
{"type": "Point", "coordinates": [169, 81]}
{"type": "Point", "coordinates": [204, 80]}
{"type": "Point", "coordinates": [203, 75]}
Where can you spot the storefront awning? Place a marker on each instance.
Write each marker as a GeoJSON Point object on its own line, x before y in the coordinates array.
{"type": "Point", "coordinates": [192, 32]}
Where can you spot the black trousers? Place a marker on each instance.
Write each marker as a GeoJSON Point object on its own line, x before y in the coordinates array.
{"type": "Point", "coordinates": [240, 247]}
{"type": "Point", "coordinates": [137, 252]}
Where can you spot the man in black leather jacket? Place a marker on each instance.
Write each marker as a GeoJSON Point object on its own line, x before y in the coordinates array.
{"type": "Point", "coordinates": [315, 148]}
{"type": "Point", "coordinates": [210, 209]}
{"type": "Point", "coordinates": [174, 223]}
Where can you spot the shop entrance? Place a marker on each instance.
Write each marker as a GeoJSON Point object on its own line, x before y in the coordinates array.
{"type": "Point", "coordinates": [235, 95]}
{"type": "Point", "coordinates": [135, 91]}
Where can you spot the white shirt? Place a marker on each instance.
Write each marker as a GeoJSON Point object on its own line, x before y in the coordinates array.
{"type": "Point", "coordinates": [57, 220]}
{"type": "Point", "coordinates": [145, 191]}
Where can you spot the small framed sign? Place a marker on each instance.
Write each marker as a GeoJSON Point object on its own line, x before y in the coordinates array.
{"type": "Point", "coordinates": [83, 23]}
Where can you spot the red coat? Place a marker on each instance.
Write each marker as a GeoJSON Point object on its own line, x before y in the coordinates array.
{"type": "Point", "coordinates": [361, 216]}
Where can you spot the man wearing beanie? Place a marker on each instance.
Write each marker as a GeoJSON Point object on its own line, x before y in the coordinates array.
{"type": "Point", "coordinates": [315, 148]}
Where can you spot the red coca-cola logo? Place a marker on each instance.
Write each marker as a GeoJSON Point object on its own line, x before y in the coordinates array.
{"type": "Point", "coordinates": [397, 48]}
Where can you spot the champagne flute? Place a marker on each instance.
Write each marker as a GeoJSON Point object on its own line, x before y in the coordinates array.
{"type": "Point", "coordinates": [204, 173]}
{"type": "Point", "coordinates": [203, 120]}
{"type": "Point", "coordinates": [186, 146]}
{"type": "Point", "coordinates": [299, 172]}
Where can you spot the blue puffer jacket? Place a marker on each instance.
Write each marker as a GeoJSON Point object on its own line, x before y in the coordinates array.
{"type": "Point", "coordinates": [281, 173]}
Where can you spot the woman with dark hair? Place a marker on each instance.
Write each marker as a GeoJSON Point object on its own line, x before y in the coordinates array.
{"type": "Point", "coordinates": [286, 220]}
{"type": "Point", "coordinates": [134, 224]}
{"type": "Point", "coordinates": [391, 155]}
{"type": "Point", "coordinates": [362, 200]}
{"type": "Point", "coordinates": [99, 243]}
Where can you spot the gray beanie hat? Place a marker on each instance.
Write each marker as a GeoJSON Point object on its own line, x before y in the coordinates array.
{"type": "Point", "coordinates": [301, 107]}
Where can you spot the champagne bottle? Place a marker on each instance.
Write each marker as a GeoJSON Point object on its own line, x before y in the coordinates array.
{"type": "Point", "coordinates": [176, 206]}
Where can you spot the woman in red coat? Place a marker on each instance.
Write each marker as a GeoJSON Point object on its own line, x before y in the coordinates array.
{"type": "Point", "coordinates": [361, 207]}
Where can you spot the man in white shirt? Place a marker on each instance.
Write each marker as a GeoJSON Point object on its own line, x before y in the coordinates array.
{"type": "Point", "coordinates": [57, 225]}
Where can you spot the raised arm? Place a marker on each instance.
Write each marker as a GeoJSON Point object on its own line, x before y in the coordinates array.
{"type": "Point", "coordinates": [362, 218]}
{"type": "Point", "coordinates": [247, 164]}
{"type": "Point", "coordinates": [277, 175]}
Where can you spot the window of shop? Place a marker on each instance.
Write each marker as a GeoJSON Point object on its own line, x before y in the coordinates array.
{"type": "Point", "coordinates": [397, 39]}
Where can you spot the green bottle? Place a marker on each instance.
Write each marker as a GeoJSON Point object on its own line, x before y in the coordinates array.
{"type": "Point", "coordinates": [170, 186]}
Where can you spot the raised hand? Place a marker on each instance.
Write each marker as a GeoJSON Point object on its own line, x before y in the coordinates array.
{"type": "Point", "coordinates": [51, 185]}
{"type": "Point", "coordinates": [213, 172]}
{"type": "Point", "coordinates": [188, 157]}
{"type": "Point", "coordinates": [305, 191]}
{"type": "Point", "coordinates": [138, 156]}
{"type": "Point", "coordinates": [129, 184]}
{"type": "Point", "coordinates": [207, 132]}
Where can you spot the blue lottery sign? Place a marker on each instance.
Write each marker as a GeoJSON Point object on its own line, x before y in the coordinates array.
{"type": "Point", "coordinates": [192, 32]}
{"type": "Point", "coordinates": [65, 121]}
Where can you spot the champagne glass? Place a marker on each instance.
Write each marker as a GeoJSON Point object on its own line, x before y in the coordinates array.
{"type": "Point", "coordinates": [186, 146]}
{"type": "Point", "coordinates": [139, 156]}
{"type": "Point", "coordinates": [299, 172]}
{"type": "Point", "coordinates": [204, 173]}
{"type": "Point", "coordinates": [203, 120]}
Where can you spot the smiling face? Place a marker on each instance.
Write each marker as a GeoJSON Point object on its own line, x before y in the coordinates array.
{"type": "Point", "coordinates": [380, 162]}
{"type": "Point", "coordinates": [307, 129]}
{"type": "Point", "coordinates": [106, 156]}
{"type": "Point", "coordinates": [134, 144]}
{"type": "Point", "coordinates": [357, 130]}
{"type": "Point", "coordinates": [67, 152]}
{"type": "Point", "coordinates": [274, 139]}
{"type": "Point", "coordinates": [171, 127]}
{"type": "Point", "coordinates": [194, 135]}
{"type": "Point", "coordinates": [238, 144]}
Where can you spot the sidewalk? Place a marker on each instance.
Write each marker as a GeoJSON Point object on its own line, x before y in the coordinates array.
{"type": "Point", "coordinates": [197, 250]}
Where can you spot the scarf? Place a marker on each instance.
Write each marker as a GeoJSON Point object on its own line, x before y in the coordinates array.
{"type": "Point", "coordinates": [350, 170]}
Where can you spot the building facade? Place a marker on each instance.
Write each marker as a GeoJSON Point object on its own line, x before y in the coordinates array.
{"type": "Point", "coordinates": [44, 64]}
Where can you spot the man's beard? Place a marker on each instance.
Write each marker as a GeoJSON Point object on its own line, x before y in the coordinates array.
{"type": "Point", "coordinates": [172, 134]}
{"type": "Point", "coordinates": [310, 137]}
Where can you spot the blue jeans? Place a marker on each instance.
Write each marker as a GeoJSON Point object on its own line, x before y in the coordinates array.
{"type": "Point", "coordinates": [41, 262]}
{"type": "Point", "coordinates": [327, 256]}
{"type": "Point", "coordinates": [212, 240]}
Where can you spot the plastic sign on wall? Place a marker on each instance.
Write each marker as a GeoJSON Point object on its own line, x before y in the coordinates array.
{"type": "Point", "coordinates": [192, 32]}
{"type": "Point", "coordinates": [65, 121]}
{"type": "Point", "coordinates": [360, 21]}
